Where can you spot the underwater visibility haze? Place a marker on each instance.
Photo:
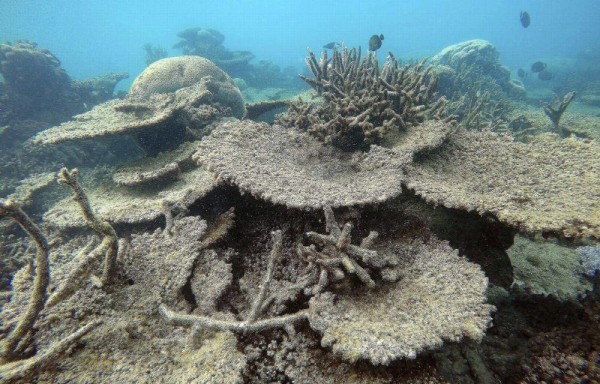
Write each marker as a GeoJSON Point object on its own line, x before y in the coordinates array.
{"type": "Point", "coordinates": [299, 192]}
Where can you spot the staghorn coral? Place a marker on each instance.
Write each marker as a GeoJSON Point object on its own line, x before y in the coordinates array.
{"type": "Point", "coordinates": [288, 167]}
{"type": "Point", "coordinates": [168, 97]}
{"type": "Point", "coordinates": [548, 185]}
{"type": "Point", "coordinates": [363, 103]}
{"type": "Point", "coordinates": [251, 323]}
{"type": "Point", "coordinates": [17, 341]}
{"type": "Point", "coordinates": [70, 178]}
{"type": "Point", "coordinates": [420, 311]}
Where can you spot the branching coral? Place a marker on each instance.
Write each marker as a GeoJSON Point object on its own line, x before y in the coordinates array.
{"type": "Point", "coordinates": [364, 103]}
{"type": "Point", "coordinates": [16, 343]}
{"type": "Point", "coordinates": [102, 227]}
{"type": "Point", "coordinates": [251, 323]}
{"type": "Point", "coordinates": [337, 254]}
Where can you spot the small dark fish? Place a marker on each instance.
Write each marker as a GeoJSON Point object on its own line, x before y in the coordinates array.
{"type": "Point", "coordinates": [525, 19]}
{"type": "Point", "coordinates": [331, 45]}
{"type": "Point", "coordinates": [538, 66]}
{"type": "Point", "coordinates": [375, 42]}
{"type": "Point", "coordinates": [521, 73]}
{"type": "Point", "coordinates": [545, 75]}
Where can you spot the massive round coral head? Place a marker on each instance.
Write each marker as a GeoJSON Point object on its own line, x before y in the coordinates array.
{"type": "Point", "coordinates": [173, 73]}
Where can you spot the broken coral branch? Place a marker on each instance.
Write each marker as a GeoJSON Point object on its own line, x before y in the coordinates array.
{"type": "Point", "coordinates": [556, 114]}
{"type": "Point", "coordinates": [251, 324]}
{"type": "Point", "coordinates": [20, 370]}
{"type": "Point", "coordinates": [13, 345]}
{"type": "Point", "coordinates": [102, 227]}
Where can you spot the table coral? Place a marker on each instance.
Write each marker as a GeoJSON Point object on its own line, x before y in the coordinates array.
{"type": "Point", "coordinates": [547, 186]}
{"type": "Point", "coordinates": [289, 167]}
{"type": "Point", "coordinates": [420, 311]}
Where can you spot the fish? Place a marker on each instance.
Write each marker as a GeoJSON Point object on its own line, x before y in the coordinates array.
{"type": "Point", "coordinates": [375, 42]}
{"type": "Point", "coordinates": [538, 66]}
{"type": "Point", "coordinates": [521, 73]}
{"type": "Point", "coordinates": [545, 75]}
{"type": "Point", "coordinates": [331, 45]}
{"type": "Point", "coordinates": [525, 19]}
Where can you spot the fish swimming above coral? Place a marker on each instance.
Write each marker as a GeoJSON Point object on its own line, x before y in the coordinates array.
{"type": "Point", "coordinates": [521, 72]}
{"type": "Point", "coordinates": [331, 45]}
{"type": "Point", "coordinates": [525, 19]}
{"type": "Point", "coordinates": [538, 66]}
{"type": "Point", "coordinates": [375, 42]}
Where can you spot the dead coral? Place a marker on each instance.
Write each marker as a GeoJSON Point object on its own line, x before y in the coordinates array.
{"type": "Point", "coordinates": [548, 185]}
{"type": "Point", "coordinates": [288, 167]}
{"type": "Point", "coordinates": [102, 227]}
{"type": "Point", "coordinates": [163, 168]}
{"type": "Point", "coordinates": [15, 344]}
{"type": "Point", "coordinates": [420, 311]}
{"type": "Point", "coordinates": [132, 205]}
{"type": "Point", "coordinates": [251, 322]}
{"type": "Point", "coordinates": [554, 114]}
{"type": "Point", "coordinates": [364, 103]}
{"type": "Point", "coordinates": [337, 254]}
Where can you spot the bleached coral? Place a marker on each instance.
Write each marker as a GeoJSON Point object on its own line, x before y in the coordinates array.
{"type": "Point", "coordinates": [439, 297]}
{"type": "Point", "coordinates": [289, 167]}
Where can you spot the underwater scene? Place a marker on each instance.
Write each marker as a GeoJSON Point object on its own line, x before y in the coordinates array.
{"type": "Point", "coordinates": [304, 192]}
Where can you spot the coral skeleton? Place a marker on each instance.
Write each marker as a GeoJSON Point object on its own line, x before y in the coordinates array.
{"type": "Point", "coordinates": [110, 240]}
{"type": "Point", "coordinates": [554, 114]}
{"type": "Point", "coordinates": [337, 254]}
{"type": "Point", "coordinates": [15, 344]}
{"type": "Point", "coordinates": [251, 323]}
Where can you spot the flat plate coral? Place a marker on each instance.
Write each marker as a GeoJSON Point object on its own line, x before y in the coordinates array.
{"type": "Point", "coordinates": [292, 168]}
{"type": "Point", "coordinates": [548, 185]}
{"type": "Point", "coordinates": [418, 312]}
{"type": "Point", "coordinates": [123, 205]}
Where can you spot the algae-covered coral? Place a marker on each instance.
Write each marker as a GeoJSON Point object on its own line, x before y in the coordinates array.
{"type": "Point", "coordinates": [304, 251]}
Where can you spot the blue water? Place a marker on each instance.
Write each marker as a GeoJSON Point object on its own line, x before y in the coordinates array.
{"type": "Point", "coordinates": [94, 37]}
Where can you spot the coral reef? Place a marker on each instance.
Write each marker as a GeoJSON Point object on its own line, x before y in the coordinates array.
{"type": "Point", "coordinates": [209, 43]}
{"type": "Point", "coordinates": [216, 263]}
{"type": "Point", "coordinates": [477, 85]}
{"type": "Point", "coordinates": [363, 104]}
{"type": "Point", "coordinates": [98, 89]}
{"type": "Point", "coordinates": [129, 203]}
{"type": "Point", "coordinates": [168, 97]}
{"type": "Point", "coordinates": [470, 63]}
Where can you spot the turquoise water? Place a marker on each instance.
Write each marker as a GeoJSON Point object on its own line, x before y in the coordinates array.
{"type": "Point", "coordinates": [94, 37]}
